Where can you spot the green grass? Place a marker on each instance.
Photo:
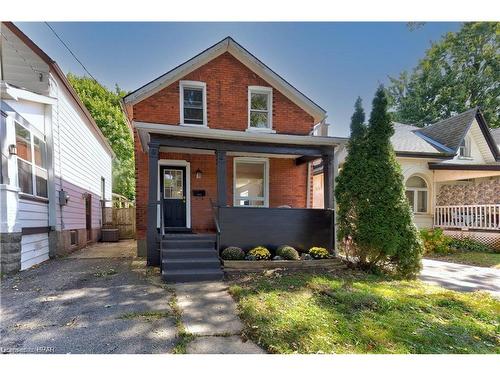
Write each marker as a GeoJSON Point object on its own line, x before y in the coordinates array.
{"type": "Point", "coordinates": [473, 258]}
{"type": "Point", "coordinates": [306, 313]}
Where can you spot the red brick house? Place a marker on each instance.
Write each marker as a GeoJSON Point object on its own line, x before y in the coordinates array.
{"type": "Point", "coordinates": [223, 147]}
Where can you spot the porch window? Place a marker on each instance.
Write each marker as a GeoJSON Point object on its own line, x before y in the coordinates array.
{"type": "Point", "coordinates": [31, 162]}
{"type": "Point", "coordinates": [193, 103]}
{"type": "Point", "coordinates": [464, 149]}
{"type": "Point", "coordinates": [417, 193]}
{"type": "Point", "coordinates": [260, 103]}
{"type": "Point", "coordinates": [251, 176]}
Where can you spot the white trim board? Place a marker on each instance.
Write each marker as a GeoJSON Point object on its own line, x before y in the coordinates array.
{"type": "Point", "coordinates": [176, 163]}
{"type": "Point", "coordinates": [246, 58]}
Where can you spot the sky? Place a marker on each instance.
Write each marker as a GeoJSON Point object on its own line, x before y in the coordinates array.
{"type": "Point", "coordinates": [332, 63]}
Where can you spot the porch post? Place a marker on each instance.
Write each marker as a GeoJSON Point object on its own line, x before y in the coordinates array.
{"type": "Point", "coordinates": [328, 175]}
{"type": "Point", "coordinates": [220, 157]}
{"type": "Point", "coordinates": [153, 255]}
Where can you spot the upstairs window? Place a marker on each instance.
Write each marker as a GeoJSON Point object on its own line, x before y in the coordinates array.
{"type": "Point", "coordinates": [260, 103]}
{"type": "Point", "coordinates": [416, 193]}
{"type": "Point", "coordinates": [193, 103]}
{"type": "Point", "coordinates": [464, 149]}
{"type": "Point", "coordinates": [31, 162]}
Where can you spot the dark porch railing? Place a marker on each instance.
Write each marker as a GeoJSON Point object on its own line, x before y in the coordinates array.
{"type": "Point", "coordinates": [302, 228]}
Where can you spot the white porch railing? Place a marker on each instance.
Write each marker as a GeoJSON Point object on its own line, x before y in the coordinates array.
{"type": "Point", "coordinates": [478, 216]}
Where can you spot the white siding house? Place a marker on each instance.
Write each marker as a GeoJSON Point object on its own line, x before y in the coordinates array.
{"type": "Point", "coordinates": [51, 149]}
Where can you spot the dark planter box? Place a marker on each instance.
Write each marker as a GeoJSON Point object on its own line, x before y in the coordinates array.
{"type": "Point", "coordinates": [257, 265]}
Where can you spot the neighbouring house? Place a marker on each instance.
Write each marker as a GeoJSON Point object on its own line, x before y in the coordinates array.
{"type": "Point", "coordinates": [55, 162]}
{"type": "Point", "coordinates": [452, 174]}
{"type": "Point", "coordinates": [223, 151]}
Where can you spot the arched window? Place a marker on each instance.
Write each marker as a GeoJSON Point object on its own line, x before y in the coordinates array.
{"type": "Point", "coordinates": [416, 193]}
{"type": "Point", "coordinates": [464, 149]}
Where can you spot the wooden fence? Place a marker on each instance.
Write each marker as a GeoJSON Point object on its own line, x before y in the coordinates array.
{"type": "Point", "coordinates": [121, 218]}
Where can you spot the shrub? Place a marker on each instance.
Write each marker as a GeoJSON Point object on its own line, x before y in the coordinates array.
{"type": "Point", "coordinates": [319, 252]}
{"type": "Point", "coordinates": [469, 244]}
{"type": "Point", "coordinates": [233, 253]}
{"type": "Point", "coordinates": [260, 253]}
{"type": "Point", "coordinates": [287, 252]}
{"type": "Point", "coordinates": [435, 241]}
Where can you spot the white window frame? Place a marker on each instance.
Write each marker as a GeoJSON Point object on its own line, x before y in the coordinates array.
{"type": "Point", "coordinates": [32, 163]}
{"type": "Point", "coordinates": [415, 190]}
{"type": "Point", "coordinates": [269, 92]}
{"type": "Point", "coordinates": [466, 148]}
{"type": "Point", "coordinates": [193, 85]}
{"type": "Point", "coordinates": [251, 160]}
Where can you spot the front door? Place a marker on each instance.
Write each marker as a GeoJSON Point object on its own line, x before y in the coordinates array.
{"type": "Point", "coordinates": [173, 188]}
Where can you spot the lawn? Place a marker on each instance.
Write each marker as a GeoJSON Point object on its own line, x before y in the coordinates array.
{"type": "Point", "coordinates": [473, 258]}
{"type": "Point", "coordinates": [359, 313]}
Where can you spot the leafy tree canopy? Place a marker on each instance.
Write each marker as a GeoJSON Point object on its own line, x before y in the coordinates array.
{"type": "Point", "coordinates": [459, 72]}
{"type": "Point", "coordinates": [104, 106]}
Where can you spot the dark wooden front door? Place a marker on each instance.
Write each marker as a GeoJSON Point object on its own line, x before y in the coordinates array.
{"type": "Point", "coordinates": [173, 188]}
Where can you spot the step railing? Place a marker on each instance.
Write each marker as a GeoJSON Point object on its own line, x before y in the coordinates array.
{"type": "Point", "coordinates": [477, 216]}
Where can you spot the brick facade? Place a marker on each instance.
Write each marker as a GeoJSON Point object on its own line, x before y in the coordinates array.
{"type": "Point", "coordinates": [227, 82]}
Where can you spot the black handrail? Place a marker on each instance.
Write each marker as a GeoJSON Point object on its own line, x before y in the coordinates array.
{"type": "Point", "coordinates": [214, 207]}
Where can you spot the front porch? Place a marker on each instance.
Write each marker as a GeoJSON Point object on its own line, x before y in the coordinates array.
{"type": "Point", "coordinates": [279, 215]}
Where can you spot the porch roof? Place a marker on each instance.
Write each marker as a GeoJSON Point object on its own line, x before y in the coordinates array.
{"type": "Point", "coordinates": [231, 140]}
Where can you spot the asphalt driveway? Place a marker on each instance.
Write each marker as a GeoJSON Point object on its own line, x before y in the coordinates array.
{"type": "Point", "coordinates": [461, 277]}
{"type": "Point", "coordinates": [82, 304]}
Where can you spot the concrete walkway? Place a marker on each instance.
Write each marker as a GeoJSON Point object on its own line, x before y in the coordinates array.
{"type": "Point", "coordinates": [461, 277]}
{"type": "Point", "coordinates": [209, 313]}
{"type": "Point", "coordinates": [121, 249]}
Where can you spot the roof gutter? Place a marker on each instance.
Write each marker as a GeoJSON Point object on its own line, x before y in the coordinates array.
{"type": "Point", "coordinates": [464, 167]}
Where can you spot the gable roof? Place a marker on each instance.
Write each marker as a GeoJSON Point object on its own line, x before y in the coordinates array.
{"type": "Point", "coordinates": [450, 132]}
{"type": "Point", "coordinates": [407, 141]}
{"type": "Point", "coordinates": [59, 73]}
{"type": "Point", "coordinates": [228, 44]}
{"type": "Point", "coordinates": [443, 137]}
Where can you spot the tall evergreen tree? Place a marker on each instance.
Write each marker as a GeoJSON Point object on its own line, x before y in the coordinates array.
{"type": "Point", "coordinates": [350, 184]}
{"type": "Point", "coordinates": [385, 231]}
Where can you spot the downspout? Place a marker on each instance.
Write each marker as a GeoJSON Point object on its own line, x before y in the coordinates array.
{"type": "Point", "coordinates": [59, 148]}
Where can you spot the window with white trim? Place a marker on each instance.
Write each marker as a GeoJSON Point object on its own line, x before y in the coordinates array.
{"type": "Point", "coordinates": [464, 148]}
{"type": "Point", "coordinates": [193, 102]}
{"type": "Point", "coordinates": [260, 105]}
{"type": "Point", "coordinates": [31, 162]}
{"type": "Point", "coordinates": [417, 194]}
{"type": "Point", "coordinates": [251, 179]}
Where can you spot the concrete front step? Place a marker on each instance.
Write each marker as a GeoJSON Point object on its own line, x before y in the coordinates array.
{"type": "Point", "coordinates": [188, 236]}
{"type": "Point", "coordinates": [211, 263]}
{"type": "Point", "coordinates": [187, 244]}
{"type": "Point", "coordinates": [190, 275]}
{"type": "Point", "coordinates": [183, 253]}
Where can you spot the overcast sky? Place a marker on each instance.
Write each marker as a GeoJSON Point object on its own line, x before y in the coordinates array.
{"type": "Point", "coordinates": [332, 63]}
